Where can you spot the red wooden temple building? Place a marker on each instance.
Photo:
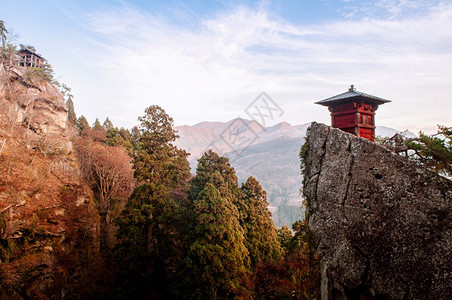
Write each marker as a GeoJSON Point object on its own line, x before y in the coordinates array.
{"type": "Point", "coordinates": [354, 112]}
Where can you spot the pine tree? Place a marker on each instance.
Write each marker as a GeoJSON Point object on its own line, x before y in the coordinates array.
{"type": "Point", "coordinates": [82, 124]}
{"type": "Point", "coordinates": [96, 124]}
{"type": "Point", "coordinates": [163, 170]}
{"type": "Point", "coordinates": [434, 151]}
{"type": "Point", "coordinates": [159, 163]}
{"type": "Point", "coordinates": [216, 257]}
{"type": "Point", "coordinates": [135, 135]}
{"type": "Point", "coordinates": [107, 124]}
{"type": "Point", "coordinates": [148, 250]}
{"type": "Point", "coordinates": [261, 238]}
{"type": "Point", "coordinates": [210, 164]}
{"type": "Point", "coordinates": [120, 138]}
{"type": "Point", "coordinates": [431, 151]}
{"type": "Point", "coordinates": [285, 236]}
{"type": "Point", "coordinates": [66, 91]}
{"type": "Point", "coordinates": [131, 252]}
{"type": "Point", "coordinates": [71, 116]}
{"type": "Point", "coordinates": [156, 159]}
{"type": "Point", "coordinates": [3, 33]}
{"type": "Point", "coordinates": [216, 260]}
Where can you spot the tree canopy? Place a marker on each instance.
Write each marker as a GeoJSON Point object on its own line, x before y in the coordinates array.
{"type": "Point", "coordinates": [195, 237]}
{"type": "Point", "coordinates": [156, 159]}
{"type": "Point", "coordinates": [431, 151]}
{"type": "Point", "coordinates": [261, 236]}
{"type": "Point", "coordinates": [216, 258]}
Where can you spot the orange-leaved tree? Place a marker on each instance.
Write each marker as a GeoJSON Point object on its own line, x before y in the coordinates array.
{"type": "Point", "coordinates": [109, 172]}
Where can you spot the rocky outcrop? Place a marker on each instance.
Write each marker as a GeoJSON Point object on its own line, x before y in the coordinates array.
{"type": "Point", "coordinates": [384, 225]}
{"type": "Point", "coordinates": [49, 226]}
{"type": "Point", "coordinates": [28, 101]}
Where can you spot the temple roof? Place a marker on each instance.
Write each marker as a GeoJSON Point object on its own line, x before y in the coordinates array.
{"type": "Point", "coordinates": [25, 50]}
{"type": "Point", "coordinates": [352, 93]}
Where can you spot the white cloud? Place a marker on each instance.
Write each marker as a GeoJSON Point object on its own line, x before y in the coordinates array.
{"type": "Point", "coordinates": [388, 9]}
{"type": "Point", "coordinates": [213, 70]}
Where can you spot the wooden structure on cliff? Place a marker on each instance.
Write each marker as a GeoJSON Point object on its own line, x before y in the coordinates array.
{"type": "Point", "coordinates": [354, 112]}
{"type": "Point", "coordinates": [29, 58]}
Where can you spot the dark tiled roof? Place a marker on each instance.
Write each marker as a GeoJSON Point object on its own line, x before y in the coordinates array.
{"type": "Point", "coordinates": [29, 52]}
{"type": "Point", "coordinates": [352, 93]}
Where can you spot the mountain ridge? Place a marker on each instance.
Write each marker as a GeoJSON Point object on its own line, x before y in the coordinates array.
{"type": "Point", "coordinates": [270, 154]}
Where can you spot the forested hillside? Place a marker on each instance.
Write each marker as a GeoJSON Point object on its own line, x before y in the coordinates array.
{"type": "Point", "coordinates": [96, 211]}
{"type": "Point", "coordinates": [201, 236]}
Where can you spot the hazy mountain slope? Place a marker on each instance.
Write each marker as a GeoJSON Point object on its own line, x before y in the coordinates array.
{"type": "Point", "coordinates": [389, 132]}
{"type": "Point", "coordinates": [237, 134]}
{"type": "Point", "coordinates": [275, 164]}
{"type": "Point", "coordinates": [195, 139]}
{"type": "Point", "coordinates": [269, 154]}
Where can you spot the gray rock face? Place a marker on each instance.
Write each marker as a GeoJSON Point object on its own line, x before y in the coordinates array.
{"type": "Point", "coordinates": [36, 105]}
{"type": "Point", "coordinates": [384, 225]}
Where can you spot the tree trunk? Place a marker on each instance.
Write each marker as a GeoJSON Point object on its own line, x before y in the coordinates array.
{"type": "Point", "coordinates": [149, 235]}
{"type": "Point", "coordinates": [104, 249]}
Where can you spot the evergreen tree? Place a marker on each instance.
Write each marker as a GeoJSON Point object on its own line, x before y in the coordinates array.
{"type": "Point", "coordinates": [261, 238]}
{"type": "Point", "coordinates": [135, 135]}
{"type": "Point", "coordinates": [285, 237]}
{"type": "Point", "coordinates": [3, 33]}
{"type": "Point", "coordinates": [148, 249]}
{"type": "Point", "coordinates": [434, 151]}
{"type": "Point", "coordinates": [215, 262]}
{"type": "Point", "coordinates": [127, 138]}
{"type": "Point", "coordinates": [71, 116]}
{"type": "Point", "coordinates": [431, 151]}
{"type": "Point", "coordinates": [156, 159]}
{"type": "Point", "coordinates": [107, 124]}
{"type": "Point", "coordinates": [82, 124]}
{"type": "Point", "coordinates": [130, 252]}
{"type": "Point", "coordinates": [209, 165]}
{"type": "Point", "coordinates": [159, 163]}
{"type": "Point", "coordinates": [120, 138]}
{"type": "Point", "coordinates": [113, 137]}
{"type": "Point", "coordinates": [96, 125]}
{"type": "Point", "coordinates": [66, 91]}
{"type": "Point", "coordinates": [153, 215]}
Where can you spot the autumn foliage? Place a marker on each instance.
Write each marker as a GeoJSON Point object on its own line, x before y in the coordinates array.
{"type": "Point", "coordinates": [108, 170]}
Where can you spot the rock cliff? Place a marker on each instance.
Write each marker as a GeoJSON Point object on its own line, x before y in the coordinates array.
{"type": "Point", "coordinates": [34, 104]}
{"type": "Point", "coordinates": [48, 222]}
{"type": "Point", "coordinates": [384, 225]}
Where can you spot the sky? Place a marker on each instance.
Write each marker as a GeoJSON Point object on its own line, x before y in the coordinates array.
{"type": "Point", "coordinates": [211, 60]}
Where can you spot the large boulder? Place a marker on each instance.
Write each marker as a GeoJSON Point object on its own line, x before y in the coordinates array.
{"type": "Point", "coordinates": [384, 225]}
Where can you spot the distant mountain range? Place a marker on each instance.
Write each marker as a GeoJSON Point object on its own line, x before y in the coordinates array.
{"type": "Point", "coordinates": [270, 154]}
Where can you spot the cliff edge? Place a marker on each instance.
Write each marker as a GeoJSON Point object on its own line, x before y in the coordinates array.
{"type": "Point", "coordinates": [383, 224]}
{"type": "Point", "coordinates": [48, 222]}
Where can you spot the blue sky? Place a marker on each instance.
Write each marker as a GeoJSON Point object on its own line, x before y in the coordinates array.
{"type": "Point", "coordinates": [208, 60]}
